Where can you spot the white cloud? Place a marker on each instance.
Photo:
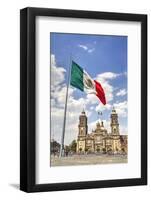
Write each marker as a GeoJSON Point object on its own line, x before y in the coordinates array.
{"type": "Point", "coordinates": [83, 46]}
{"type": "Point", "coordinates": [86, 48]}
{"type": "Point", "coordinates": [57, 73]}
{"type": "Point", "coordinates": [101, 107]}
{"type": "Point", "coordinates": [121, 108]}
{"type": "Point", "coordinates": [92, 108]}
{"type": "Point", "coordinates": [122, 92]}
{"type": "Point", "coordinates": [91, 50]}
{"type": "Point", "coordinates": [108, 75]}
{"type": "Point", "coordinates": [92, 99]}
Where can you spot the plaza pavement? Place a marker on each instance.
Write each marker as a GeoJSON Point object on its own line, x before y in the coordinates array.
{"type": "Point", "coordinates": [87, 159]}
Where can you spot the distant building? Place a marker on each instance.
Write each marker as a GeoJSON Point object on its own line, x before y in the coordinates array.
{"type": "Point", "coordinates": [100, 140]}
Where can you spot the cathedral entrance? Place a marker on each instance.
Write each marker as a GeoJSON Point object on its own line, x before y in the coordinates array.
{"type": "Point", "coordinates": [109, 150]}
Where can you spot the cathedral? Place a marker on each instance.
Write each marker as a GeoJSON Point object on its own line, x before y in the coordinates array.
{"type": "Point", "coordinates": [100, 140]}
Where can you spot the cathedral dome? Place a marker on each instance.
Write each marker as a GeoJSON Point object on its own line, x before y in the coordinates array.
{"type": "Point", "coordinates": [100, 126]}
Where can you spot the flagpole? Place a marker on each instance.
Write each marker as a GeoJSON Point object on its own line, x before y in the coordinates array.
{"type": "Point", "coordinates": [65, 112]}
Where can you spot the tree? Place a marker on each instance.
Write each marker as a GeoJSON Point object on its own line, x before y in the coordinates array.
{"type": "Point", "coordinates": [66, 149]}
{"type": "Point", "coordinates": [55, 147]}
{"type": "Point", "coordinates": [73, 146]}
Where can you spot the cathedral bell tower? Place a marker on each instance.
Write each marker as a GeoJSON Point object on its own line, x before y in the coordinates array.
{"type": "Point", "coordinates": [83, 129]}
{"type": "Point", "coordinates": [116, 145]}
{"type": "Point", "coordinates": [114, 123]}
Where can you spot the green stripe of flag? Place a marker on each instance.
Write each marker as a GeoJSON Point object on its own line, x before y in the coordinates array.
{"type": "Point", "coordinates": [77, 76]}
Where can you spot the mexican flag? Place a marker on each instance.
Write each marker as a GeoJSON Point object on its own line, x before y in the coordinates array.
{"type": "Point", "coordinates": [82, 80]}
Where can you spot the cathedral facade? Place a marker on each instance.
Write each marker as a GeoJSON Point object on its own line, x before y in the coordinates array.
{"type": "Point", "coordinates": [99, 140]}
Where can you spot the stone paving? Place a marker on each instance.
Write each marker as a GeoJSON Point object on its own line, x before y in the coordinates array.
{"type": "Point", "coordinates": [88, 159]}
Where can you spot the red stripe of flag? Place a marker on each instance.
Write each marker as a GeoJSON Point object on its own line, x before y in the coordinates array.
{"type": "Point", "coordinates": [100, 92]}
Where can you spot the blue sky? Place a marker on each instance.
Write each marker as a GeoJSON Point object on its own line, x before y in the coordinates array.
{"type": "Point", "coordinates": [105, 59]}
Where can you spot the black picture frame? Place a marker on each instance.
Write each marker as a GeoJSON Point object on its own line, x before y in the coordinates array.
{"type": "Point", "coordinates": [28, 99]}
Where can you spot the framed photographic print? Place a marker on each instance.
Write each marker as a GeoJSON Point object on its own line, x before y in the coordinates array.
{"type": "Point", "coordinates": [83, 99]}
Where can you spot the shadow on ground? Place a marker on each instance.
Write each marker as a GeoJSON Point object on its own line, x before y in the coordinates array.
{"type": "Point", "coordinates": [14, 185]}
